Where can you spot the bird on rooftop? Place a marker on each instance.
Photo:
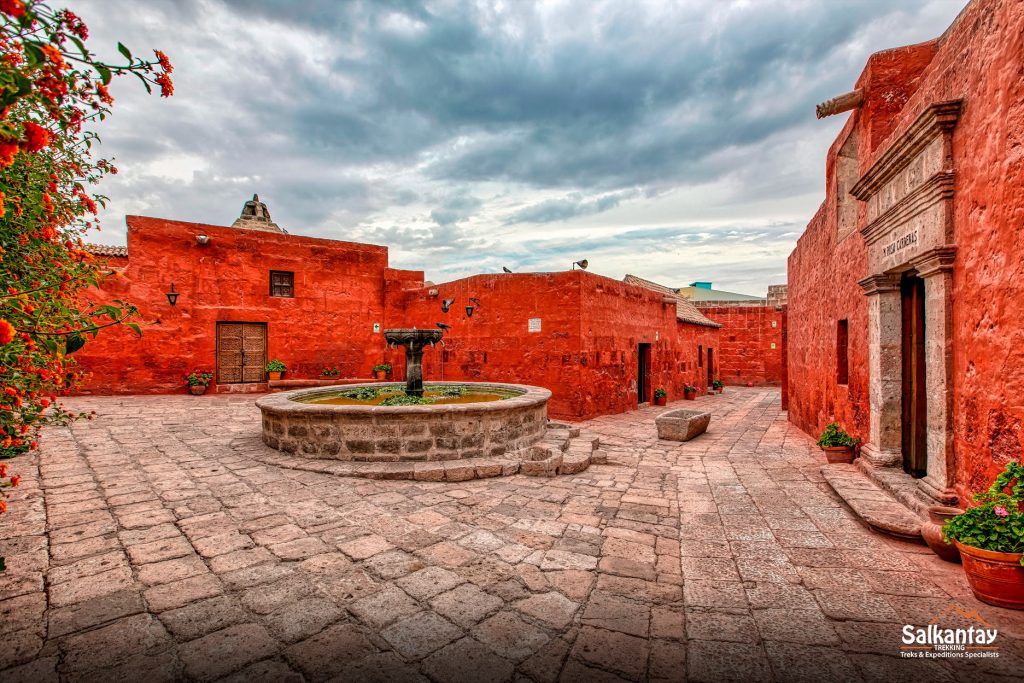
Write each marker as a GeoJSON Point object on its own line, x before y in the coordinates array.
{"type": "Point", "coordinates": [506, 269]}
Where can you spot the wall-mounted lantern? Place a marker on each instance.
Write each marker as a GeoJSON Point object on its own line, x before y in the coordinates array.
{"type": "Point", "coordinates": [172, 296]}
{"type": "Point", "coordinates": [202, 240]}
{"type": "Point", "coordinates": [446, 304]}
{"type": "Point", "coordinates": [470, 308]}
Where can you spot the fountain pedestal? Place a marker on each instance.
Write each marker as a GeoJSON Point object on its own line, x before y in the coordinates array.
{"type": "Point", "coordinates": [413, 340]}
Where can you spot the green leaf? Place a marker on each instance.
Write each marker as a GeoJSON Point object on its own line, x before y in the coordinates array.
{"type": "Point", "coordinates": [104, 73]}
{"type": "Point", "coordinates": [135, 328]}
{"type": "Point", "coordinates": [74, 342]}
{"type": "Point", "coordinates": [125, 51]}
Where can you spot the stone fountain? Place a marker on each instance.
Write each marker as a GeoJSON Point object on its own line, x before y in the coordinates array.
{"type": "Point", "coordinates": [413, 340]}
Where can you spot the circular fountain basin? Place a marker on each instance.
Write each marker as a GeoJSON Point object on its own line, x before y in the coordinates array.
{"type": "Point", "coordinates": [296, 423]}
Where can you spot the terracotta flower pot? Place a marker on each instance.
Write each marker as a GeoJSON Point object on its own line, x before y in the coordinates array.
{"type": "Point", "coordinates": [690, 395]}
{"type": "Point", "coordinates": [660, 400]}
{"type": "Point", "coordinates": [719, 390]}
{"type": "Point", "coordinates": [838, 454]}
{"type": "Point", "coordinates": [938, 515]}
{"type": "Point", "coordinates": [274, 376]}
{"type": "Point", "coordinates": [996, 578]}
{"type": "Point", "coordinates": [197, 389]}
{"type": "Point", "coordinates": [381, 374]}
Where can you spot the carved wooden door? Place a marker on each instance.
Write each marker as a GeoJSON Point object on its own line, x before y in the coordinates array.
{"type": "Point", "coordinates": [241, 352]}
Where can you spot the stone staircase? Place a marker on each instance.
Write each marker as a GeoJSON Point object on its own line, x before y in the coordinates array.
{"type": "Point", "coordinates": [884, 497]}
{"type": "Point", "coordinates": [565, 449]}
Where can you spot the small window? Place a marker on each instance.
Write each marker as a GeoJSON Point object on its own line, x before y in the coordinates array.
{"type": "Point", "coordinates": [842, 353]}
{"type": "Point", "coordinates": [282, 283]}
{"type": "Point", "coordinates": [700, 356]}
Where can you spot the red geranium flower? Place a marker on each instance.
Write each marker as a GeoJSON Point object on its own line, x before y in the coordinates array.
{"type": "Point", "coordinates": [16, 8]}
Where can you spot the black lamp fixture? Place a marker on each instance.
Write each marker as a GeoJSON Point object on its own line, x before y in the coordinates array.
{"type": "Point", "coordinates": [470, 308]}
{"type": "Point", "coordinates": [582, 263]}
{"type": "Point", "coordinates": [446, 304]}
{"type": "Point", "coordinates": [172, 296]}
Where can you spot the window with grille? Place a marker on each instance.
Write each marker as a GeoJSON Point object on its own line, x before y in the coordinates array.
{"type": "Point", "coordinates": [282, 283]}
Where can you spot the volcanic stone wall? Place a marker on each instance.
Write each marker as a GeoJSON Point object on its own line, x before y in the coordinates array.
{"type": "Point", "coordinates": [980, 61]}
{"type": "Point", "coordinates": [750, 345]}
{"type": "Point", "coordinates": [573, 332]}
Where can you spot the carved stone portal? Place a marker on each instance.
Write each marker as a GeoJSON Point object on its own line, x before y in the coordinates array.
{"type": "Point", "coordinates": [909, 229]}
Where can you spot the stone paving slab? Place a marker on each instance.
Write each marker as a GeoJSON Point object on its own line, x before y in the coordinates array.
{"type": "Point", "coordinates": [155, 543]}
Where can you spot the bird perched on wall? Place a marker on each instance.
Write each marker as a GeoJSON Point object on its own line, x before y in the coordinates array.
{"type": "Point", "coordinates": [506, 269]}
{"type": "Point", "coordinates": [444, 326]}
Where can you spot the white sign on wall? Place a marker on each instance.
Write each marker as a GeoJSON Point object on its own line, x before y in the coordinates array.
{"type": "Point", "coordinates": [533, 325]}
{"type": "Point", "coordinates": [376, 328]}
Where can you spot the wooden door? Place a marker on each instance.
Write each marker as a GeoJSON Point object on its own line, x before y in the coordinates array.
{"type": "Point", "coordinates": [711, 366]}
{"type": "Point", "coordinates": [915, 421]}
{"type": "Point", "coordinates": [241, 352]}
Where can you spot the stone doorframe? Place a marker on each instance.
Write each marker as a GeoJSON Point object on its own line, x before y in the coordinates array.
{"type": "Point", "coordinates": [909, 228]}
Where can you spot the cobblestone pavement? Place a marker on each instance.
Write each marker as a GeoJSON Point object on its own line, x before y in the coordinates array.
{"type": "Point", "coordinates": [148, 544]}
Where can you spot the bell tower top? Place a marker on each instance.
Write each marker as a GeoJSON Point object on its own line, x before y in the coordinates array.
{"type": "Point", "coordinates": [256, 216]}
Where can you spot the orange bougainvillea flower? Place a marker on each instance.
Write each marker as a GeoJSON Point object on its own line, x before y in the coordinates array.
{"type": "Point", "coordinates": [3, 506]}
{"type": "Point", "coordinates": [166, 85]}
{"type": "Point", "coordinates": [7, 152]}
{"type": "Point", "coordinates": [6, 332]}
{"type": "Point", "coordinates": [36, 137]}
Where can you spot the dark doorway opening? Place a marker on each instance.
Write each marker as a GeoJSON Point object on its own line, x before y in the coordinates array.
{"type": "Point", "coordinates": [643, 373]}
{"type": "Point", "coordinates": [711, 366]}
{"type": "Point", "coordinates": [915, 421]}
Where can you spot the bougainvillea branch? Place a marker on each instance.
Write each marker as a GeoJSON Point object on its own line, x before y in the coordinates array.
{"type": "Point", "coordinates": [51, 87]}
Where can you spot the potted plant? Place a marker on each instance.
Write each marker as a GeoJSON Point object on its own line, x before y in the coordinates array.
{"type": "Point", "coordinates": [689, 392]}
{"type": "Point", "coordinates": [990, 538]}
{"type": "Point", "coordinates": [275, 369]}
{"type": "Point", "coordinates": [718, 386]}
{"type": "Point", "coordinates": [198, 380]}
{"type": "Point", "coordinates": [329, 372]}
{"type": "Point", "coordinates": [381, 370]}
{"type": "Point", "coordinates": [660, 396]}
{"type": "Point", "coordinates": [837, 444]}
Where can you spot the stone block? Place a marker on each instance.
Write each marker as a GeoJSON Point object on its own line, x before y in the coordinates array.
{"type": "Point", "coordinates": [682, 425]}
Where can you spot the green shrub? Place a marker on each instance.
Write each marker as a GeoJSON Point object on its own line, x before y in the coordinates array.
{"type": "Point", "coordinates": [660, 392]}
{"type": "Point", "coordinates": [382, 367]}
{"type": "Point", "coordinates": [276, 366]}
{"type": "Point", "coordinates": [361, 394]}
{"type": "Point", "coordinates": [834, 436]}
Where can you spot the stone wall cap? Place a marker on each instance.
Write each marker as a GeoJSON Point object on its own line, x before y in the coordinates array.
{"type": "Point", "coordinates": [289, 401]}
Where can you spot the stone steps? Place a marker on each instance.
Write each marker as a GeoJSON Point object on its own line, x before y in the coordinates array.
{"type": "Point", "coordinates": [566, 451]}
{"type": "Point", "coordinates": [871, 502]}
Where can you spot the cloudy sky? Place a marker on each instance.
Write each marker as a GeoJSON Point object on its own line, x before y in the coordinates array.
{"type": "Point", "coordinates": [672, 140]}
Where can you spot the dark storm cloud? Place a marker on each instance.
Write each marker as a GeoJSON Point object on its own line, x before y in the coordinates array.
{"type": "Point", "coordinates": [427, 125]}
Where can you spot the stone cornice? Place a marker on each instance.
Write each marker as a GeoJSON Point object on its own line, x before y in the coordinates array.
{"type": "Point", "coordinates": [935, 261]}
{"type": "Point", "coordinates": [937, 119]}
{"type": "Point", "coordinates": [929, 193]}
{"type": "Point", "coordinates": [876, 284]}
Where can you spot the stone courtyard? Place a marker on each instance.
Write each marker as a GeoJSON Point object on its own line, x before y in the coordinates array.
{"type": "Point", "coordinates": [150, 543]}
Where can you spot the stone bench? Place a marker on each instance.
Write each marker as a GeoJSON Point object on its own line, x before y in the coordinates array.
{"type": "Point", "coordinates": [682, 424]}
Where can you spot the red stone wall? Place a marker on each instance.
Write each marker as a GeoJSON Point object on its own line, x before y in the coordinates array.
{"type": "Point", "coordinates": [585, 352]}
{"type": "Point", "coordinates": [745, 340]}
{"type": "Point", "coordinates": [980, 60]}
{"type": "Point", "coordinates": [339, 293]}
